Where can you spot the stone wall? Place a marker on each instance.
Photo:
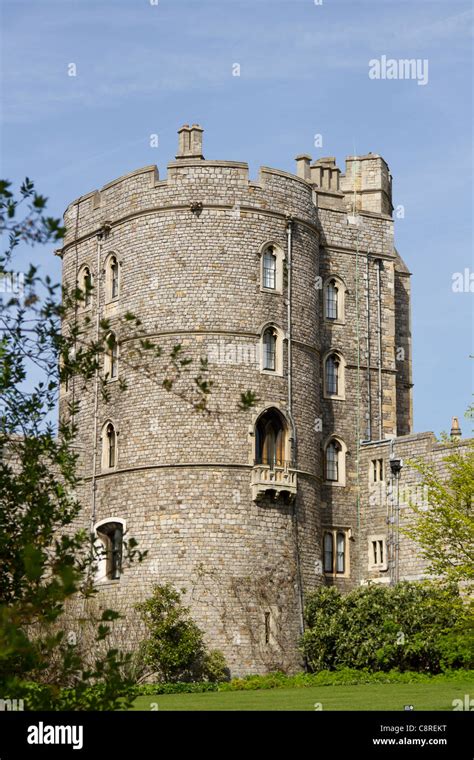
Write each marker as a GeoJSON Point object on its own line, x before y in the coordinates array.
{"type": "Point", "coordinates": [380, 502]}
{"type": "Point", "coordinates": [189, 250]}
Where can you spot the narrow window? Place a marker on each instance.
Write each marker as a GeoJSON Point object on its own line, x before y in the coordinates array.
{"type": "Point", "coordinates": [340, 552]}
{"type": "Point", "coordinates": [332, 375]}
{"type": "Point", "coordinates": [87, 287]}
{"type": "Point", "coordinates": [328, 553]}
{"type": "Point", "coordinates": [331, 300]}
{"type": "Point", "coordinates": [111, 445]}
{"type": "Point", "coordinates": [111, 535]}
{"type": "Point", "coordinates": [267, 628]}
{"type": "Point", "coordinates": [114, 277]}
{"type": "Point", "coordinates": [381, 559]}
{"type": "Point", "coordinates": [374, 551]}
{"type": "Point", "coordinates": [111, 364]}
{"type": "Point", "coordinates": [377, 470]}
{"type": "Point", "coordinates": [332, 461]}
{"type": "Point", "coordinates": [114, 360]}
{"type": "Point", "coordinates": [269, 349]}
{"type": "Point", "coordinates": [269, 268]}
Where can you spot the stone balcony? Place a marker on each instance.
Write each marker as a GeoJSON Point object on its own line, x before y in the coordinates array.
{"type": "Point", "coordinates": [273, 480]}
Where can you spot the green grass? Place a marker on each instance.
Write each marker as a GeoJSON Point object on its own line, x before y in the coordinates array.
{"type": "Point", "coordinates": [392, 696]}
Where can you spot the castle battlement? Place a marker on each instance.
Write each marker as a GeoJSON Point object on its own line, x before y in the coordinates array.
{"type": "Point", "coordinates": [291, 286]}
{"type": "Point", "coordinates": [227, 185]}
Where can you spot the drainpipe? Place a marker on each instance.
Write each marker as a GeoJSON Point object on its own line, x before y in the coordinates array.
{"type": "Point", "coordinates": [289, 230]}
{"type": "Point", "coordinates": [100, 236]}
{"type": "Point", "coordinates": [369, 391]}
{"type": "Point", "coordinates": [289, 264]}
{"type": "Point", "coordinates": [379, 334]}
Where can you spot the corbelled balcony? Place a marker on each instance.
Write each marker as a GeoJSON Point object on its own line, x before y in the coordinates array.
{"type": "Point", "coordinates": [273, 479]}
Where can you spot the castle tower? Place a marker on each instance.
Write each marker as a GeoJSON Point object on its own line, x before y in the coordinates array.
{"type": "Point", "coordinates": [225, 503]}
{"type": "Point", "coordinates": [290, 287]}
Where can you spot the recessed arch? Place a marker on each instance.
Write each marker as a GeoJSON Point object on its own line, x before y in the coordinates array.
{"type": "Point", "coordinates": [108, 539]}
{"type": "Point", "coordinates": [113, 277]}
{"type": "Point", "coordinates": [334, 375]}
{"type": "Point", "coordinates": [272, 259]}
{"type": "Point", "coordinates": [271, 349]}
{"type": "Point", "coordinates": [109, 446]}
{"type": "Point", "coordinates": [272, 437]}
{"type": "Point", "coordinates": [85, 285]}
{"type": "Point", "coordinates": [334, 299]}
{"type": "Point", "coordinates": [111, 357]}
{"type": "Point", "coordinates": [334, 461]}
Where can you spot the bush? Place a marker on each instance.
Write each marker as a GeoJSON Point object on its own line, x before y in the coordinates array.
{"type": "Point", "coordinates": [175, 648]}
{"type": "Point", "coordinates": [213, 667]}
{"type": "Point", "coordinates": [411, 626]}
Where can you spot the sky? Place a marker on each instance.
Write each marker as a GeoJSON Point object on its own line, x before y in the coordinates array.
{"type": "Point", "coordinates": [145, 67]}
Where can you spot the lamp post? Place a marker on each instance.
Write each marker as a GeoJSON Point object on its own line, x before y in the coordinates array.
{"type": "Point", "coordinates": [396, 465]}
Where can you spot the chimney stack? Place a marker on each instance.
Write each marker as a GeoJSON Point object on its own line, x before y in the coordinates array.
{"type": "Point", "coordinates": [302, 166]}
{"type": "Point", "coordinates": [455, 429]}
{"type": "Point", "coordinates": [190, 142]}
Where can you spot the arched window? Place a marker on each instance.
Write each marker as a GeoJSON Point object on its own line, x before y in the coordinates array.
{"type": "Point", "coordinates": [111, 357]}
{"type": "Point", "coordinates": [269, 349]}
{"type": "Point", "coordinates": [328, 552]}
{"type": "Point", "coordinates": [110, 535]}
{"type": "Point", "coordinates": [335, 462]}
{"type": "Point", "coordinates": [331, 300]}
{"type": "Point", "coordinates": [334, 299]}
{"type": "Point", "coordinates": [109, 447]}
{"type": "Point", "coordinates": [84, 282]}
{"type": "Point", "coordinates": [334, 375]}
{"type": "Point", "coordinates": [271, 439]}
{"type": "Point", "coordinates": [269, 268]}
{"type": "Point", "coordinates": [332, 463]}
{"type": "Point", "coordinates": [112, 278]}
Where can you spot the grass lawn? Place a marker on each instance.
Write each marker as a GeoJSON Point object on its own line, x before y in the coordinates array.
{"type": "Point", "coordinates": [391, 696]}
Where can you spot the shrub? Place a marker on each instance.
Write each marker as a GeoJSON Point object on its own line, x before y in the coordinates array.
{"type": "Point", "coordinates": [411, 626]}
{"type": "Point", "coordinates": [175, 648]}
{"type": "Point", "coordinates": [213, 667]}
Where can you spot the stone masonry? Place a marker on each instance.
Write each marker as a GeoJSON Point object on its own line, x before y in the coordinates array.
{"type": "Point", "coordinates": [243, 538]}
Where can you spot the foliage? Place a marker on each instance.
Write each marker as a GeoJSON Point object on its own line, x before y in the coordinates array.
{"type": "Point", "coordinates": [380, 628]}
{"type": "Point", "coordinates": [444, 530]}
{"type": "Point", "coordinates": [278, 680]}
{"type": "Point", "coordinates": [175, 647]}
{"type": "Point", "coordinates": [178, 687]}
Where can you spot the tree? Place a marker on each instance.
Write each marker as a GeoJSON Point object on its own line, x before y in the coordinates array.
{"type": "Point", "coordinates": [444, 529]}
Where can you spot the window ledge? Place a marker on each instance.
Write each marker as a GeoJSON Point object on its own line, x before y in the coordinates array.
{"type": "Point", "coordinates": [273, 291]}
{"type": "Point", "coordinates": [109, 582]}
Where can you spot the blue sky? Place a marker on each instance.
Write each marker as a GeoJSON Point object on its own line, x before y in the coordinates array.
{"type": "Point", "coordinates": [144, 69]}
